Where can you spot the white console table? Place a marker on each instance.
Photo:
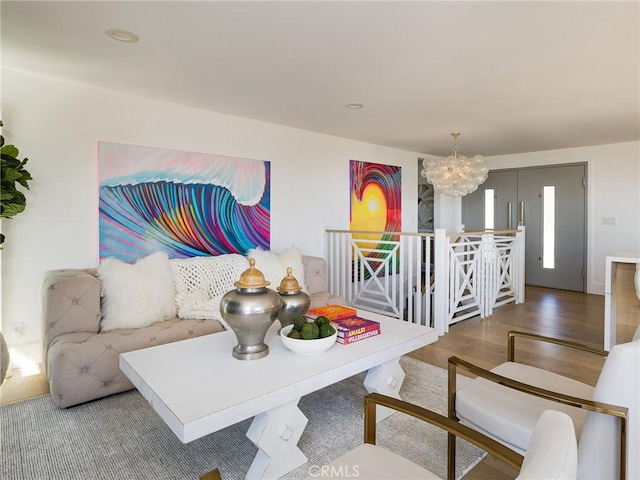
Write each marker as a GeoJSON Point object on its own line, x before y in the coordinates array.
{"type": "Point", "coordinates": [610, 294]}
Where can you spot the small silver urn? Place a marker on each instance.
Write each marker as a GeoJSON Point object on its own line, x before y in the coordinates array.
{"type": "Point", "coordinates": [250, 310]}
{"type": "Point", "coordinates": [295, 302]}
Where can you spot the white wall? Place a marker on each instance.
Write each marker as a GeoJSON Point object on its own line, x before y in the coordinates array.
{"type": "Point", "coordinates": [57, 125]}
{"type": "Point", "coordinates": [448, 213]}
{"type": "Point", "coordinates": [613, 191]}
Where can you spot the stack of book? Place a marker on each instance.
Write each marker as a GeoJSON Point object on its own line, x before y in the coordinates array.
{"type": "Point", "coordinates": [350, 327]}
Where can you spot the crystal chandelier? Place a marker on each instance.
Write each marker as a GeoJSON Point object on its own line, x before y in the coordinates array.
{"type": "Point", "coordinates": [456, 175]}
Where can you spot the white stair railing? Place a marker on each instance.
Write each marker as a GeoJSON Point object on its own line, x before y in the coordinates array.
{"type": "Point", "coordinates": [391, 273]}
{"type": "Point", "coordinates": [476, 272]}
{"type": "Point", "coordinates": [383, 272]}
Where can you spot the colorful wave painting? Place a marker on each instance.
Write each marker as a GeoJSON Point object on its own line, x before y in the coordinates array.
{"type": "Point", "coordinates": [376, 194]}
{"type": "Point", "coordinates": [183, 204]}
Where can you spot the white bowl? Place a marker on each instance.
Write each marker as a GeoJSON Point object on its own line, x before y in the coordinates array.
{"type": "Point", "coordinates": [307, 347]}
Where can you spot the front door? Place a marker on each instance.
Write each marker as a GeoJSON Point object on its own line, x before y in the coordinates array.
{"type": "Point", "coordinates": [551, 203]}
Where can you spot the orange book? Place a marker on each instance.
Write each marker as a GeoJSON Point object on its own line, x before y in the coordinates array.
{"type": "Point", "coordinates": [332, 312]}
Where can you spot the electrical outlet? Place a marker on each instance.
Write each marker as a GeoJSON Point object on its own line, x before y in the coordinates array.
{"type": "Point", "coordinates": [16, 329]}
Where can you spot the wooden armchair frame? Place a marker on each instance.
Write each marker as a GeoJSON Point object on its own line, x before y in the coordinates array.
{"type": "Point", "coordinates": [456, 363]}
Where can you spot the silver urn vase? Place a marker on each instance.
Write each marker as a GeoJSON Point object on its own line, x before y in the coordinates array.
{"type": "Point", "coordinates": [250, 310]}
{"type": "Point", "coordinates": [295, 302]}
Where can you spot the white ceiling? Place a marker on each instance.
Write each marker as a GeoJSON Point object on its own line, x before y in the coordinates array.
{"type": "Point", "coordinates": [511, 76]}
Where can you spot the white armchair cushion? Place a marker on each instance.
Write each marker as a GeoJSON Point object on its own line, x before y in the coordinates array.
{"type": "Point", "coordinates": [599, 445]}
{"type": "Point", "coordinates": [551, 455]}
{"type": "Point", "coordinates": [509, 416]}
{"type": "Point", "coordinates": [371, 462]}
{"type": "Point", "coordinates": [553, 449]}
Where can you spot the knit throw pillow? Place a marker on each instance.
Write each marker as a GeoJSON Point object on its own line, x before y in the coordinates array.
{"type": "Point", "coordinates": [136, 295]}
{"type": "Point", "coordinates": [201, 282]}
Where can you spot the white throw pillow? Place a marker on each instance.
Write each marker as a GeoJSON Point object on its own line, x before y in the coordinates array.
{"type": "Point", "coordinates": [136, 295]}
{"type": "Point", "coordinates": [274, 265]}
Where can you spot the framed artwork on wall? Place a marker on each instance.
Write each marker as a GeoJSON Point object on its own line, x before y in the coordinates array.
{"type": "Point", "coordinates": [181, 203]}
{"type": "Point", "coordinates": [376, 197]}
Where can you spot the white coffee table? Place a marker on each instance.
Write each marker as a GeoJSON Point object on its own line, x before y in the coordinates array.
{"type": "Point", "coordinates": [197, 387]}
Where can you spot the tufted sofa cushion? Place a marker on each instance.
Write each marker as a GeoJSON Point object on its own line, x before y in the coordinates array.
{"type": "Point", "coordinates": [84, 366]}
{"type": "Point", "coordinates": [70, 304]}
{"type": "Point", "coordinates": [80, 361]}
{"type": "Point", "coordinates": [315, 277]}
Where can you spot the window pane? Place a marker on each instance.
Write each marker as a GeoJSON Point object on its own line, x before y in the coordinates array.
{"type": "Point", "coordinates": [549, 227]}
{"type": "Point", "coordinates": [489, 196]}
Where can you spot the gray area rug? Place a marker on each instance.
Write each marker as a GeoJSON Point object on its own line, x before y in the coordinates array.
{"type": "Point", "coordinates": [122, 437]}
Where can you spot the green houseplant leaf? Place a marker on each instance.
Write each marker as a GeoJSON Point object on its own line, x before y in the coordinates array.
{"type": "Point", "coordinates": [14, 175]}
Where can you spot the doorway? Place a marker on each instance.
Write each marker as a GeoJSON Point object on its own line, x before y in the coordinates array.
{"type": "Point", "coordinates": [551, 202]}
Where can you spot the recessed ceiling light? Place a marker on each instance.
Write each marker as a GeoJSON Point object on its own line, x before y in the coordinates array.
{"type": "Point", "coordinates": [354, 106]}
{"type": "Point", "coordinates": [122, 35]}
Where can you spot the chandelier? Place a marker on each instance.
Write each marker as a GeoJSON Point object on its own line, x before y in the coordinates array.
{"type": "Point", "coordinates": [456, 175]}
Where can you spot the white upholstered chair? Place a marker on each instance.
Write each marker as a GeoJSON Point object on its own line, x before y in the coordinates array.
{"type": "Point", "coordinates": [551, 455]}
{"type": "Point", "coordinates": [506, 402]}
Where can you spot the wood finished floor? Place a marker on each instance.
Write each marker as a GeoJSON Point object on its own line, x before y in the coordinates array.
{"type": "Point", "coordinates": [570, 315]}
